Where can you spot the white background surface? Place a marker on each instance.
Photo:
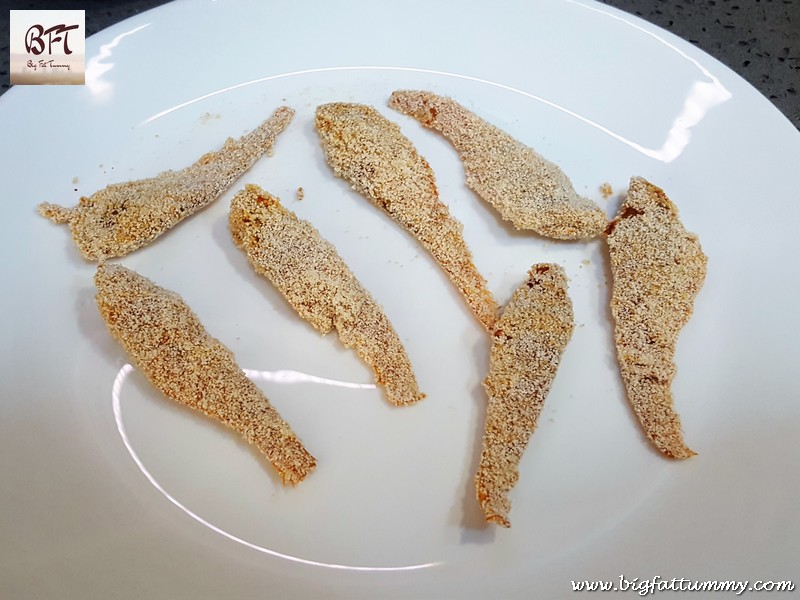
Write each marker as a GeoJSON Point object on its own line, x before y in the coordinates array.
{"type": "Point", "coordinates": [603, 95]}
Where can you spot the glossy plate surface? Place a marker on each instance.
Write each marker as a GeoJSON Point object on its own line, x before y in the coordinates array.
{"type": "Point", "coordinates": [110, 490]}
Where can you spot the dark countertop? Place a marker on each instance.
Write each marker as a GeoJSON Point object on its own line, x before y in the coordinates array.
{"type": "Point", "coordinates": [759, 39]}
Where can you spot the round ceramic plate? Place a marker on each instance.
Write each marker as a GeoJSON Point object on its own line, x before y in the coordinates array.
{"type": "Point", "coordinates": [112, 490]}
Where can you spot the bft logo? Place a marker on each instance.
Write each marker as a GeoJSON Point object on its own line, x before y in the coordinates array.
{"type": "Point", "coordinates": [34, 38]}
{"type": "Point", "coordinates": [47, 47]}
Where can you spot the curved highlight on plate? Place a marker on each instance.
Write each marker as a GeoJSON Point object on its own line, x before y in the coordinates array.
{"type": "Point", "coordinates": [281, 377]}
{"type": "Point", "coordinates": [701, 98]}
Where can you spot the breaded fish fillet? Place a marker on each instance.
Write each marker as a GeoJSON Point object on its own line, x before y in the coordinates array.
{"type": "Point", "coordinates": [126, 216]}
{"type": "Point", "coordinates": [371, 153]}
{"type": "Point", "coordinates": [167, 342]}
{"type": "Point", "coordinates": [318, 284]}
{"type": "Point", "coordinates": [658, 269]}
{"type": "Point", "coordinates": [529, 338]}
{"type": "Point", "coordinates": [524, 187]}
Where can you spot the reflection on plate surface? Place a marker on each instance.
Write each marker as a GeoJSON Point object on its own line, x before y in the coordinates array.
{"type": "Point", "coordinates": [603, 95]}
{"type": "Point", "coordinates": [286, 377]}
{"type": "Point", "coordinates": [702, 97]}
{"type": "Point", "coordinates": [437, 443]}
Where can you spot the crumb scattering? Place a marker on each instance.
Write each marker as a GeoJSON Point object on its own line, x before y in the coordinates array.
{"type": "Point", "coordinates": [169, 344]}
{"type": "Point", "coordinates": [206, 117]}
{"type": "Point", "coordinates": [528, 190]}
{"type": "Point", "coordinates": [606, 190]}
{"type": "Point", "coordinates": [301, 193]}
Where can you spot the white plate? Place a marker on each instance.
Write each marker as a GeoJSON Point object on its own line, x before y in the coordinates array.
{"type": "Point", "coordinates": [147, 499]}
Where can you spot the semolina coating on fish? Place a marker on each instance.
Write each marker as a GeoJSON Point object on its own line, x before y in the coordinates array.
{"type": "Point", "coordinates": [528, 190]}
{"type": "Point", "coordinates": [529, 338]}
{"type": "Point", "coordinates": [124, 217]}
{"type": "Point", "coordinates": [169, 344]}
{"type": "Point", "coordinates": [319, 285]}
{"type": "Point", "coordinates": [658, 269]}
{"type": "Point", "coordinates": [369, 151]}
